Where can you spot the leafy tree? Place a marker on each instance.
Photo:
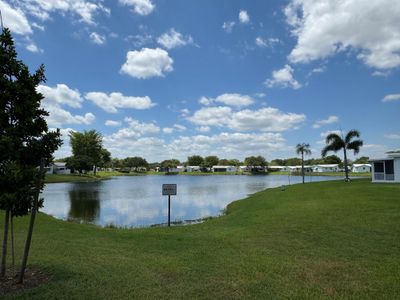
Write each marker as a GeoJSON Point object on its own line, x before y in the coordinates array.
{"type": "Point", "coordinates": [105, 158]}
{"type": "Point", "coordinates": [278, 162]}
{"type": "Point", "coordinates": [293, 161]}
{"type": "Point", "coordinates": [303, 149]}
{"type": "Point", "coordinates": [135, 162]}
{"type": "Point", "coordinates": [336, 143]}
{"type": "Point", "coordinates": [169, 164]}
{"type": "Point", "coordinates": [332, 159]}
{"type": "Point", "coordinates": [25, 142]}
{"type": "Point", "coordinates": [223, 162]}
{"type": "Point", "coordinates": [195, 160]}
{"type": "Point", "coordinates": [210, 161]}
{"type": "Point", "coordinates": [252, 162]}
{"type": "Point", "coordinates": [86, 149]}
{"type": "Point", "coordinates": [362, 160]}
{"type": "Point", "coordinates": [234, 162]}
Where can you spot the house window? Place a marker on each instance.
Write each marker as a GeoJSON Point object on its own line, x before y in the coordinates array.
{"type": "Point", "coordinates": [379, 171]}
{"type": "Point", "coordinates": [389, 170]}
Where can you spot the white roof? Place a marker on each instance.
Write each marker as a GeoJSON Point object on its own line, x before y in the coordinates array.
{"type": "Point", "coordinates": [361, 165]}
{"type": "Point", "coordinates": [224, 167]}
{"type": "Point", "coordinates": [328, 166]}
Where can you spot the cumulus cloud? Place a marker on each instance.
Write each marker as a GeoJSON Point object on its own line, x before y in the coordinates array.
{"type": "Point", "coordinates": [391, 98]}
{"type": "Point", "coordinates": [175, 128]}
{"type": "Point", "coordinates": [244, 17]}
{"type": "Point", "coordinates": [15, 19]}
{"type": "Point", "coordinates": [113, 123]}
{"type": "Point", "coordinates": [85, 10]}
{"type": "Point", "coordinates": [261, 42]}
{"type": "Point", "coordinates": [228, 26]}
{"type": "Point", "coordinates": [57, 97]}
{"type": "Point", "coordinates": [111, 102]}
{"type": "Point", "coordinates": [61, 94]}
{"type": "Point", "coordinates": [174, 39]}
{"type": "Point", "coordinates": [59, 116]}
{"type": "Point", "coordinates": [97, 38]}
{"type": "Point", "coordinates": [203, 128]}
{"type": "Point", "coordinates": [264, 119]}
{"type": "Point", "coordinates": [147, 63]}
{"type": "Point", "coordinates": [324, 28]}
{"type": "Point", "coordinates": [329, 120]}
{"type": "Point", "coordinates": [32, 47]}
{"type": "Point", "coordinates": [228, 99]}
{"type": "Point", "coordinates": [283, 78]}
{"type": "Point", "coordinates": [141, 7]}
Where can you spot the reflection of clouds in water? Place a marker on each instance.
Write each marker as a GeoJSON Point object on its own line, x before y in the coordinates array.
{"type": "Point", "coordinates": [137, 201]}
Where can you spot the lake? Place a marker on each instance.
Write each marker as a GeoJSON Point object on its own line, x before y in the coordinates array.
{"type": "Point", "coordinates": [136, 201]}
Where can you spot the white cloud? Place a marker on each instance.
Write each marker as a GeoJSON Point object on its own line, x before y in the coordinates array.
{"type": "Point", "coordinates": [32, 47]}
{"type": "Point", "coordinates": [324, 28]}
{"type": "Point", "coordinates": [283, 78]}
{"type": "Point", "coordinates": [391, 98]}
{"type": "Point", "coordinates": [228, 26]}
{"type": "Point", "coordinates": [173, 39]}
{"type": "Point", "coordinates": [261, 42]}
{"type": "Point", "coordinates": [85, 10]}
{"type": "Point", "coordinates": [113, 123]}
{"type": "Point", "coordinates": [97, 39]}
{"type": "Point", "coordinates": [244, 17]}
{"type": "Point", "coordinates": [141, 7]}
{"type": "Point", "coordinates": [176, 127]}
{"type": "Point", "coordinates": [61, 94]}
{"type": "Point", "coordinates": [59, 116]}
{"type": "Point", "coordinates": [264, 119]}
{"type": "Point", "coordinates": [134, 130]}
{"type": "Point", "coordinates": [111, 102]}
{"type": "Point", "coordinates": [330, 120]}
{"type": "Point", "coordinates": [147, 63]}
{"type": "Point", "coordinates": [15, 19]}
{"type": "Point", "coordinates": [228, 99]}
{"type": "Point", "coordinates": [393, 136]}
{"type": "Point", "coordinates": [203, 128]}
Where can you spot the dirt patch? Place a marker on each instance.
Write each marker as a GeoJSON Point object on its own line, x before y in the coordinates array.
{"type": "Point", "coordinates": [33, 278]}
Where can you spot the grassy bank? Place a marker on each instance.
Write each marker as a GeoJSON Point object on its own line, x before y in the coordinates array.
{"type": "Point", "coordinates": [319, 240]}
{"type": "Point", "coordinates": [336, 174]}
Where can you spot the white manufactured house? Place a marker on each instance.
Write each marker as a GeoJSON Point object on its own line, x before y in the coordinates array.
{"type": "Point", "coordinates": [58, 168]}
{"type": "Point", "coordinates": [224, 169]}
{"type": "Point", "coordinates": [193, 169]}
{"type": "Point", "coordinates": [386, 169]}
{"type": "Point", "coordinates": [326, 168]}
{"type": "Point", "coordinates": [361, 168]}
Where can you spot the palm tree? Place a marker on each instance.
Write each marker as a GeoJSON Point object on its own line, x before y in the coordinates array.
{"type": "Point", "coordinates": [335, 143]}
{"type": "Point", "coordinates": [303, 149]}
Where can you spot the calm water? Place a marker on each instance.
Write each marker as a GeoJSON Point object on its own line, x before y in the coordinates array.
{"type": "Point", "coordinates": [137, 201]}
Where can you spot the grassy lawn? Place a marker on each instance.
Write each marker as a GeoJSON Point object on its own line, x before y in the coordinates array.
{"type": "Point", "coordinates": [338, 174]}
{"type": "Point", "coordinates": [319, 240]}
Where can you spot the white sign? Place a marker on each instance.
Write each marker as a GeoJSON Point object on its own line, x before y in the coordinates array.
{"type": "Point", "coordinates": [169, 189]}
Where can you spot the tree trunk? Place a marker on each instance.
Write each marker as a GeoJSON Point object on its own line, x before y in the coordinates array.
{"type": "Point", "coordinates": [94, 171]}
{"type": "Point", "coordinates": [346, 170]}
{"type": "Point", "coordinates": [5, 239]}
{"type": "Point", "coordinates": [31, 223]}
{"type": "Point", "coordinates": [302, 165]}
{"type": "Point", "coordinates": [12, 241]}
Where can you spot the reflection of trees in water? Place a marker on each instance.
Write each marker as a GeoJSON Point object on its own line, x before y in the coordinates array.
{"type": "Point", "coordinates": [85, 205]}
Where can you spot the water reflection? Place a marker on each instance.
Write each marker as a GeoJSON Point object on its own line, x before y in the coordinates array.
{"type": "Point", "coordinates": [84, 205]}
{"type": "Point", "coordinates": [137, 201]}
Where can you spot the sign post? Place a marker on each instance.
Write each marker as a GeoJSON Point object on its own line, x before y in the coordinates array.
{"type": "Point", "coordinates": [168, 190]}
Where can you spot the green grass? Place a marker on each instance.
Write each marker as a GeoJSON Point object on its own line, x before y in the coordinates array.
{"type": "Point", "coordinates": [337, 174]}
{"type": "Point", "coordinates": [312, 241]}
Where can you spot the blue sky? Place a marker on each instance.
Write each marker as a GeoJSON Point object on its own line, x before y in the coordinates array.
{"type": "Point", "coordinates": [168, 79]}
